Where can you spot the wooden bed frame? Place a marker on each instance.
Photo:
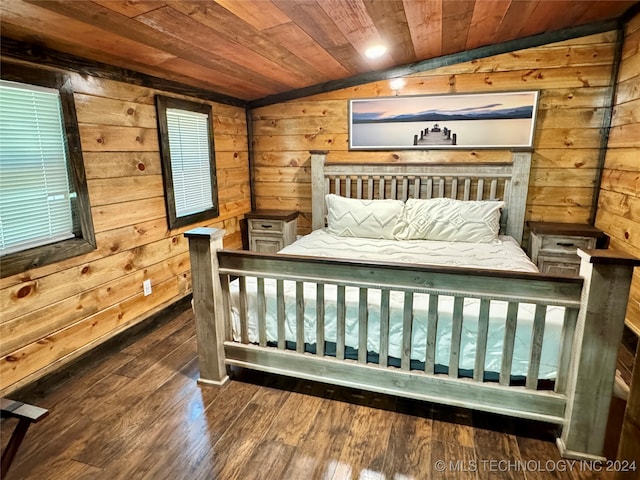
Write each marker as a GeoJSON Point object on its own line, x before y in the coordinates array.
{"type": "Point", "coordinates": [595, 306]}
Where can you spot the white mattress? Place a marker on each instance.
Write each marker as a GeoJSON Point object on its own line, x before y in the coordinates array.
{"type": "Point", "coordinates": [504, 254]}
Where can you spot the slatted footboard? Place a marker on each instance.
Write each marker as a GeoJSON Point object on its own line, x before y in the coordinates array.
{"type": "Point", "coordinates": [385, 280]}
{"type": "Point", "coordinates": [592, 323]}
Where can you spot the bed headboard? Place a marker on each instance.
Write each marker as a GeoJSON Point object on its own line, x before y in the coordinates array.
{"type": "Point", "coordinates": [465, 181]}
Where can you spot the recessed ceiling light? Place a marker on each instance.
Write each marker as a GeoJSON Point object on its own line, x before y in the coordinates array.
{"type": "Point", "coordinates": [397, 83]}
{"type": "Point", "coordinates": [375, 51]}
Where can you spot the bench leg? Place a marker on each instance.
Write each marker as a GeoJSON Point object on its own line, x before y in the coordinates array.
{"type": "Point", "coordinates": [14, 443]}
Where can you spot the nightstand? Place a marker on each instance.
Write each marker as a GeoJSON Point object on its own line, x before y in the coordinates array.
{"type": "Point", "coordinates": [271, 230]}
{"type": "Point", "coordinates": [553, 246]}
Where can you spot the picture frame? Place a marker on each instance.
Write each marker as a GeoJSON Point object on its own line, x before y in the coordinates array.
{"type": "Point", "coordinates": [503, 120]}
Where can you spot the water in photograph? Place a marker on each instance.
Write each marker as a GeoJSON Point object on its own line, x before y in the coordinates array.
{"type": "Point", "coordinates": [480, 133]}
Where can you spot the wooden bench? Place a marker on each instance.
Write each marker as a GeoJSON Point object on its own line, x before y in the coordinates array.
{"type": "Point", "coordinates": [26, 415]}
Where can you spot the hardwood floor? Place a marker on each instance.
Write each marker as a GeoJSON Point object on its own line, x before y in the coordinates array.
{"type": "Point", "coordinates": [136, 412]}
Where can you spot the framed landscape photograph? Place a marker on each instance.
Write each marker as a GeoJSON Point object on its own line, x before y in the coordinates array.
{"type": "Point", "coordinates": [474, 120]}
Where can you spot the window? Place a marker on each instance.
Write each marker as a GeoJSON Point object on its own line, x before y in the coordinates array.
{"type": "Point", "coordinates": [188, 161]}
{"type": "Point", "coordinates": [44, 209]}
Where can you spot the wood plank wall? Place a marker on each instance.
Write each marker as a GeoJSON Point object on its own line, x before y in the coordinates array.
{"type": "Point", "coordinates": [52, 314]}
{"type": "Point", "coordinates": [619, 201]}
{"type": "Point", "coordinates": [619, 212]}
{"type": "Point", "coordinates": [574, 78]}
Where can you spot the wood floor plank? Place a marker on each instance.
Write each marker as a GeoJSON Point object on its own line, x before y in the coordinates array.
{"type": "Point", "coordinates": [453, 426]}
{"type": "Point", "coordinates": [155, 376]}
{"type": "Point", "coordinates": [274, 457]}
{"type": "Point", "coordinates": [593, 471]}
{"type": "Point", "coordinates": [61, 468]}
{"type": "Point", "coordinates": [70, 426]}
{"type": "Point", "coordinates": [161, 333]}
{"type": "Point", "coordinates": [142, 361]}
{"type": "Point", "coordinates": [180, 440]}
{"type": "Point", "coordinates": [98, 436]}
{"type": "Point", "coordinates": [112, 438]}
{"type": "Point", "coordinates": [543, 462]}
{"type": "Point", "coordinates": [494, 451]}
{"type": "Point", "coordinates": [137, 412]}
{"type": "Point", "coordinates": [363, 455]}
{"type": "Point", "coordinates": [72, 387]}
{"type": "Point", "coordinates": [231, 452]}
{"type": "Point", "coordinates": [409, 448]}
{"type": "Point", "coordinates": [320, 447]}
{"type": "Point", "coordinates": [453, 461]}
{"type": "Point", "coordinates": [295, 419]}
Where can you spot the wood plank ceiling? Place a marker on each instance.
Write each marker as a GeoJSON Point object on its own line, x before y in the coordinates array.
{"type": "Point", "coordinates": [250, 49]}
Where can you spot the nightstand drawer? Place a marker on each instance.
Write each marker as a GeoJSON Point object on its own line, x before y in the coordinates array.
{"type": "Point", "coordinates": [560, 265]}
{"type": "Point", "coordinates": [266, 225]}
{"type": "Point", "coordinates": [565, 244]}
{"type": "Point", "coordinates": [267, 243]}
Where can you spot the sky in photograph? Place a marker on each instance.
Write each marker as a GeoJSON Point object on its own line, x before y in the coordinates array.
{"type": "Point", "coordinates": [391, 107]}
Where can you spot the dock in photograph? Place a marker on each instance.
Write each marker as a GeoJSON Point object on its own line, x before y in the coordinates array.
{"type": "Point", "coordinates": [435, 136]}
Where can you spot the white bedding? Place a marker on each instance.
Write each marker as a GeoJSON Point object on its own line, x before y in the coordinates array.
{"type": "Point", "coordinates": [504, 254]}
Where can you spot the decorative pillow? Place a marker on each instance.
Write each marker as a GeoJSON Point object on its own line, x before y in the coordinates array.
{"type": "Point", "coordinates": [449, 220]}
{"type": "Point", "coordinates": [350, 217]}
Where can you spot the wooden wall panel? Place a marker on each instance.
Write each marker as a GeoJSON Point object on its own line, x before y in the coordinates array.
{"type": "Point", "coordinates": [574, 78]}
{"type": "Point", "coordinates": [619, 201]}
{"type": "Point", "coordinates": [52, 314]}
{"type": "Point", "coordinates": [619, 214]}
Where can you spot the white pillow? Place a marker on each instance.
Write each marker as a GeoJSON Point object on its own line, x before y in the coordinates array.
{"type": "Point", "coordinates": [350, 217]}
{"type": "Point", "coordinates": [445, 219]}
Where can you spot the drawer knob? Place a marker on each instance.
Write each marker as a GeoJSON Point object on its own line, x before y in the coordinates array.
{"type": "Point", "coordinates": [565, 244]}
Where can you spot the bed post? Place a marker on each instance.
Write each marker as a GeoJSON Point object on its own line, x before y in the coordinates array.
{"type": "Point", "coordinates": [318, 158]}
{"type": "Point", "coordinates": [208, 303]}
{"type": "Point", "coordinates": [607, 279]}
{"type": "Point", "coordinates": [518, 195]}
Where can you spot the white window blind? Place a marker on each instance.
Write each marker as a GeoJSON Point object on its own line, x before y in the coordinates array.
{"type": "Point", "coordinates": [35, 197]}
{"type": "Point", "coordinates": [190, 162]}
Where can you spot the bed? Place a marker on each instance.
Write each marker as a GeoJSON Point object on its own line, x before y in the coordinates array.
{"type": "Point", "coordinates": [504, 254]}
{"type": "Point", "coordinates": [404, 315]}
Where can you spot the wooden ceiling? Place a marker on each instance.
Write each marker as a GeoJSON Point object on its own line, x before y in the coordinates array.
{"type": "Point", "coordinates": [251, 49]}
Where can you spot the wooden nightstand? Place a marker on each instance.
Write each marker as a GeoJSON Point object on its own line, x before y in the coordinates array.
{"type": "Point", "coordinates": [271, 230]}
{"type": "Point", "coordinates": [553, 245]}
